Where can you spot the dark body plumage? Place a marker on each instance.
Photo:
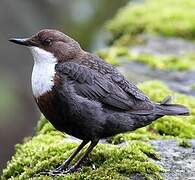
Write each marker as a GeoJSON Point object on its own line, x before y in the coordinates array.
{"type": "Point", "coordinates": [90, 99]}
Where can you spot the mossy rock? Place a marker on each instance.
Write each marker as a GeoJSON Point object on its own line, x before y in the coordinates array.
{"type": "Point", "coordinates": [117, 55]}
{"type": "Point", "coordinates": [48, 148]}
{"type": "Point", "coordinates": [173, 18]}
{"type": "Point", "coordinates": [46, 151]}
{"type": "Point", "coordinates": [163, 18]}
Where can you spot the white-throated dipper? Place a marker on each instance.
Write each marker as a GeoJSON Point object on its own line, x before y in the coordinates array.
{"type": "Point", "coordinates": [83, 96]}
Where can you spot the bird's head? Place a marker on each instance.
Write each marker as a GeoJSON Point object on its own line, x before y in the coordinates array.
{"type": "Point", "coordinates": [48, 42]}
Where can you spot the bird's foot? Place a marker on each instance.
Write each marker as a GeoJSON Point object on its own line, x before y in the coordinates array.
{"type": "Point", "coordinates": [62, 167]}
{"type": "Point", "coordinates": [57, 172]}
{"type": "Point", "coordinates": [50, 173]}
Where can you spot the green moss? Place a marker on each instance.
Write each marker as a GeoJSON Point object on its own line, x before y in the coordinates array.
{"type": "Point", "coordinates": [143, 134]}
{"type": "Point", "coordinates": [41, 123]}
{"type": "Point", "coordinates": [46, 151]}
{"type": "Point", "coordinates": [165, 18]}
{"type": "Point", "coordinates": [184, 143]}
{"type": "Point", "coordinates": [162, 17]}
{"type": "Point", "coordinates": [116, 55]}
{"type": "Point", "coordinates": [166, 62]}
{"type": "Point", "coordinates": [113, 55]}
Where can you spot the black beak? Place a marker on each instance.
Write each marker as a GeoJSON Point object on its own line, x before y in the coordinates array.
{"type": "Point", "coordinates": [24, 41]}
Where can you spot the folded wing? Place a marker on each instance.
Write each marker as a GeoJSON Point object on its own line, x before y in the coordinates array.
{"type": "Point", "coordinates": [93, 85]}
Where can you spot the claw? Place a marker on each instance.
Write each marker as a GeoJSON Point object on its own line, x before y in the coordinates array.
{"type": "Point", "coordinates": [56, 172]}
{"type": "Point", "coordinates": [51, 173]}
{"type": "Point", "coordinates": [62, 167]}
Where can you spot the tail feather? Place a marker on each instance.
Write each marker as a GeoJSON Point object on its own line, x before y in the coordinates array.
{"type": "Point", "coordinates": [141, 118]}
{"type": "Point", "coordinates": [166, 100]}
{"type": "Point", "coordinates": [172, 109]}
{"type": "Point", "coordinates": [165, 108]}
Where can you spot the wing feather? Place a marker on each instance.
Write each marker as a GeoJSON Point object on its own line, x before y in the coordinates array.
{"type": "Point", "coordinates": [94, 85]}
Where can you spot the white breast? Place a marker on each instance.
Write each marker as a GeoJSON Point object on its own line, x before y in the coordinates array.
{"type": "Point", "coordinates": [43, 71]}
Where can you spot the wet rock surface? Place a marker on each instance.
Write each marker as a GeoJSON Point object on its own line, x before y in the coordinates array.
{"type": "Point", "coordinates": [183, 82]}
{"type": "Point", "coordinates": [179, 162]}
{"type": "Point", "coordinates": [157, 45]}
{"type": "Point", "coordinates": [180, 81]}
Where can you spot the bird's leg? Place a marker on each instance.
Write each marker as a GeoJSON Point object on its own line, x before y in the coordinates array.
{"type": "Point", "coordinates": [78, 163]}
{"type": "Point", "coordinates": [59, 170]}
{"type": "Point", "coordinates": [67, 161]}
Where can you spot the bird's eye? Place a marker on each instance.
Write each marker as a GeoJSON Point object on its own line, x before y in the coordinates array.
{"type": "Point", "coordinates": [47, 41]}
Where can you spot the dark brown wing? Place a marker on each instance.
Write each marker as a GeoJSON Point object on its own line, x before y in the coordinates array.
{"type": "Point", "coordinates": [104, 68]}
{"type": "Point", "coordinates": [94, 85]}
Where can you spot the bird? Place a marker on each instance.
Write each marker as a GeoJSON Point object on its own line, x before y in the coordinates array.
{"type": "Point", "coordinates": [84, 96]}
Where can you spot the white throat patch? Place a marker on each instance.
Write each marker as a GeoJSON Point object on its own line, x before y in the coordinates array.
{"type": "Point", "coordinates": [43, 71]}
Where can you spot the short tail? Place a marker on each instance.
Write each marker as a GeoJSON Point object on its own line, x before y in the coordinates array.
{"type": "Point", "coordinates": [165, 108]}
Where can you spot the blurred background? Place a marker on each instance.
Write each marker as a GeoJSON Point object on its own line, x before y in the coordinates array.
{"type": "Point", "coordinates": [82, 20]}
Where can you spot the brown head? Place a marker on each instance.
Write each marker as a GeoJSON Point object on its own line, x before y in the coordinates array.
{"type": "Point", "coordinates": [57, 43]}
